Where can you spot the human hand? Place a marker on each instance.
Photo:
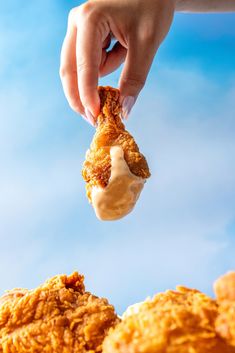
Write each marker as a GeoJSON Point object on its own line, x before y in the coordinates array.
{"type": "Point", "coordinates": [139, 27]}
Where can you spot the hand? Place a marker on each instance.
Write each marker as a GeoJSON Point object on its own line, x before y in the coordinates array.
{"type": "Point", "coordinates": [139, 27]}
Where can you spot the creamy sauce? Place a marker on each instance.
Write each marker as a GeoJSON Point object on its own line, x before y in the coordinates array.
{"type": "Point", "coordinates": [119, 197]}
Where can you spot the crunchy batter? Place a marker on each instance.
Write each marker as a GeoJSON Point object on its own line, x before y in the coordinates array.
{"type": "Point", "coordinates": [57, 317]}
{"type": "Point", "coordinates": [181, 321]}
{"type": "Point", "coordinates": [110, 132]}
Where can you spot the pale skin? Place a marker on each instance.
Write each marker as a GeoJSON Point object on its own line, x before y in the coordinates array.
{"type": "Point", "coordinates": [139, 27]}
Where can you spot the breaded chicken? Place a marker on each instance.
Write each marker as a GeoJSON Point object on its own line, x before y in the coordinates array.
{"type": "Point", "coordinates": [57, 317]}
{"type": "Point", "coordinates": [110, 132]}
{"type": "Point", "coordinates": [180, 321]}
{"type": "Point", "coordinates": [225, 292]}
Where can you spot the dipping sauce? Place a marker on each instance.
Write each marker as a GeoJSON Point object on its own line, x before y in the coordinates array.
{"type": "Point", "coordinates": [119, 197]}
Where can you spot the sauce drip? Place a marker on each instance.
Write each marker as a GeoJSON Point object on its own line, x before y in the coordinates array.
{"type": "Point", "coordinates": [119, 197]}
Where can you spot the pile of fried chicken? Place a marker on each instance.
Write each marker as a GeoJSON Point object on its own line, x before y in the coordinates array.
{"type": "Point", "coordinates": [60, 316]}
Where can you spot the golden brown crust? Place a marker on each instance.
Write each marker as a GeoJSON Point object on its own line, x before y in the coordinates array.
{"type": "Point", "coordinates": [57, 317]}
{"type": "Point", "coordinates": [180, 321]}
{"type": "Point", "coordinates": [60, 316]}
{"type": "Point", "coordinates": [110, 132]}
{"type": "Point", "coordinates": [225, 292]}
{"type": "Point", "coordinates": [224, 287]}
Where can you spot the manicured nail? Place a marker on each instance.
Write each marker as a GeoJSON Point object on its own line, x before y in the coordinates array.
{"type": "Point", "coordinates": [89, 117]}
{"type": "Point", "coordinates": [127, 105]}
{"type": "Point", "coordinates": [86, 119]}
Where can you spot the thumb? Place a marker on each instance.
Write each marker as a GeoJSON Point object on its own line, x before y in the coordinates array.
{"type": "Point", "coordinates": [135, 71]}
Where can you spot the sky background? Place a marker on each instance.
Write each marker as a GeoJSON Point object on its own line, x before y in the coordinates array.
{"type": "Point", "coordinates": [182, 230]}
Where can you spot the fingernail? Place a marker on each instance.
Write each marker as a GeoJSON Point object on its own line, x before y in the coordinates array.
{"type": "Point", "coordinates": [127, 105]}
{"type": "Point", "coordinates": [89, 117]}
{"type": "Point", "coordinates": [87, 120]}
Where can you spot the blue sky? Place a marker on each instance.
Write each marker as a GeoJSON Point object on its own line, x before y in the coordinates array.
{"type": "Point", "coordinates": [183, 228]}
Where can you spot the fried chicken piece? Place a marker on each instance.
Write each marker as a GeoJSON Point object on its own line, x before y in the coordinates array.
{"type": "Point", "coordinates": [57, 317]}
{"type": "Point", "coordinates": [224, 289]}
{"type": "Point", "coordinates": [180, 321]}
{"type": "Point", "coordinates": [111, 132]}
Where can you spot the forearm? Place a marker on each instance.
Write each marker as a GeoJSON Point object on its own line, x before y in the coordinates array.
{"type": "Point", "coordinates": [205, 5]}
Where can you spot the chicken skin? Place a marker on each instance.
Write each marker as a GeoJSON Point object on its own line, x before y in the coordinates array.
{"type": "Point", "coordinates": [60, 316]}
{"type": "Point", "coordinates": [180, 321]}
{"type": "Point", "coordinates": [110, 133]}
{"type": "Point", "coordinates": [57, 317]}
{"type": "Point", "coordinates": [225, 292]}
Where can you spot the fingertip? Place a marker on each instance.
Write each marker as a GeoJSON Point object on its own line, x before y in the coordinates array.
{"type": "Point", "coordinates": [89, 118]}
{"type": "Point", "coordinates": [91, 102]}
{"type": "Point", "coordinates": [127, 104]}
{"type": "Point", "coordinates": [95, 107]}
{"type": "Point", "coordinates": [74, 102]}
{"type": "Point", "coordinates": [131, 86]}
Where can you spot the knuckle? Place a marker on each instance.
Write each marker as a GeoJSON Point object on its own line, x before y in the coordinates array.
{"type": "Point", "coordinates": [137, 82]}
{"type": "Point", "coordinates": [72, 14]}
{"type": "Point", "coordinates": [65, 71]}
{"type": "Point", "coordinates": [83, 67]}
{"type": "Point", "coordinates": [148, 34]}
{"type": "Point", "coordinates": [88, 11]}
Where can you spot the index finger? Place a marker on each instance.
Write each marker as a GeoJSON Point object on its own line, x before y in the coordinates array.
{"type": "Point", "coordinates": [88, 57]}
{"type": "Point", "coordinates": [68, 70]}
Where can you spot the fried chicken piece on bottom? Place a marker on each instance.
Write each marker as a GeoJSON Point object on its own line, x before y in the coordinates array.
{"type": "Point", "coordinates": [57, 317]}
{"type": "Point", "coordinates": [224, 289]}
{"type": "Point", "coordinates": [110, 132]}
{"type": "Point", "coordinates": [180, 321]}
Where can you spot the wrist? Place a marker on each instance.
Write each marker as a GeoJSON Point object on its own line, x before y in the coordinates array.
{"type": "Point", "coordinates": [181, 5]}
{"type": "Point", "coordinates": [207, 6]}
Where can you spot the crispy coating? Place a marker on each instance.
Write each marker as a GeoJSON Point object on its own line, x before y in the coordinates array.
{"type": "Point", "coordinates": [225, 292]}
{"type": "Point", "coordinates": [110, 132]}
{"type": "Point", "coordinates": [180, 321]}
{"type": "Point", "coordinates": [57, 317]}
